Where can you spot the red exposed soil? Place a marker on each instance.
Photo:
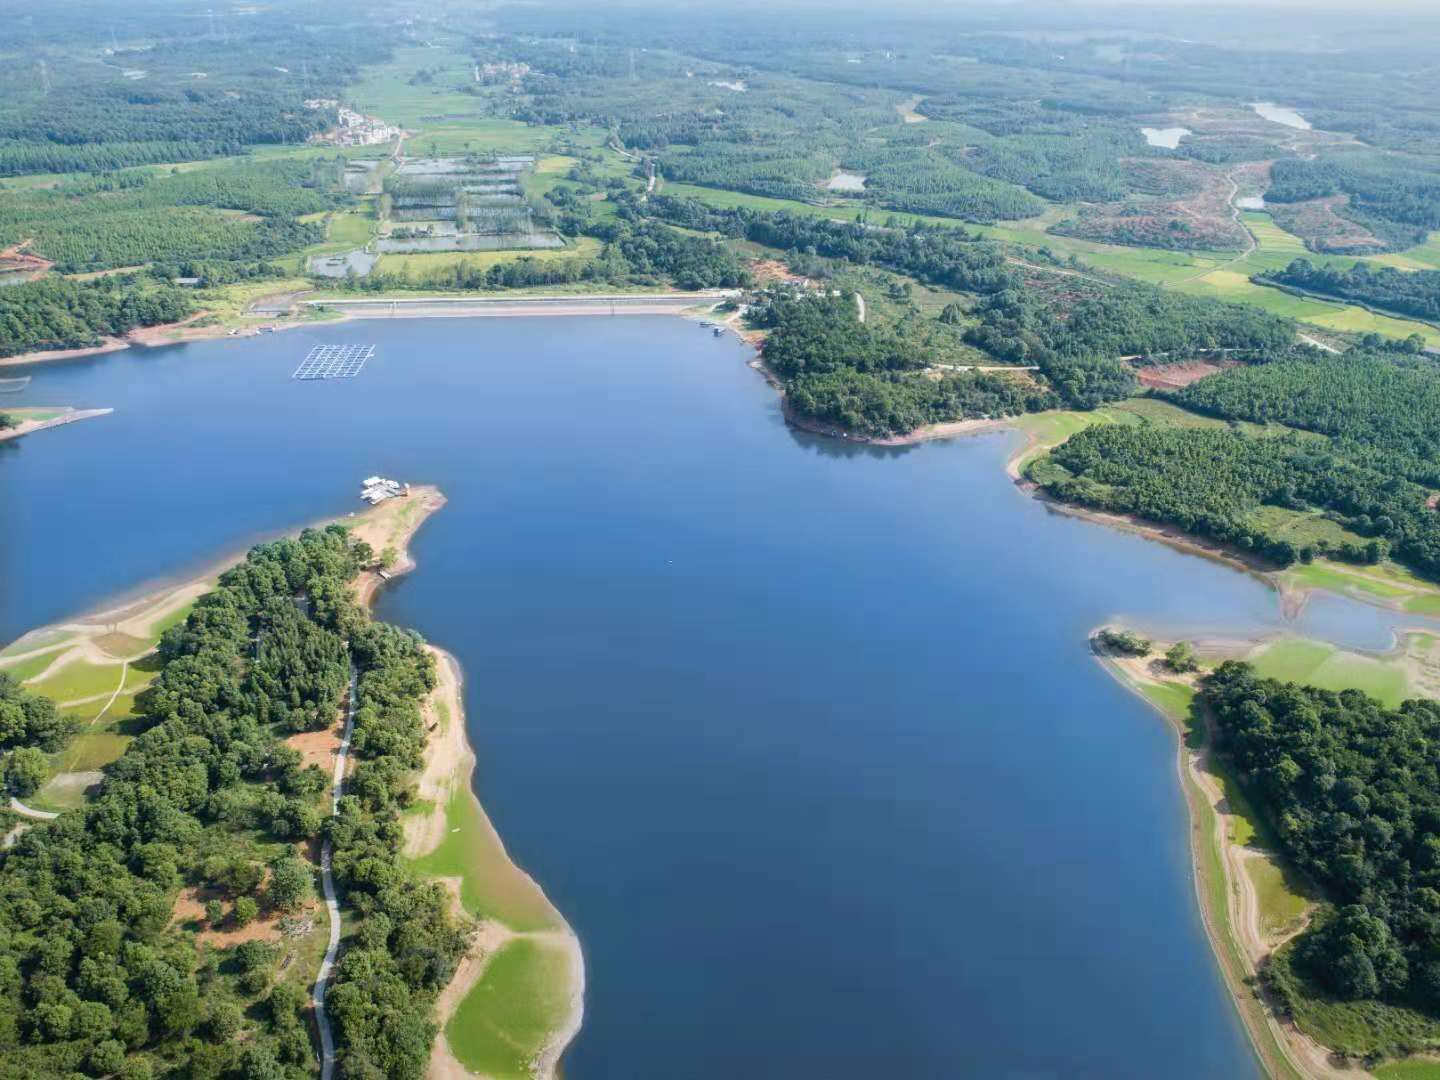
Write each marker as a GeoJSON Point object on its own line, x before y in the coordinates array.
{"type": "Point", "coordinates": [1175, 376]}
{"type": "Point", "coordinates": [316, 747]}
{"type": "Point", "coordinates": [190, 910]}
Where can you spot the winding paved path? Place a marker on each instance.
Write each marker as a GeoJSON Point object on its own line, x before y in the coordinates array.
{"type": "Point", "coordinates": [26, 811]}
{"type": "Point", "coordinates": [332, 906]}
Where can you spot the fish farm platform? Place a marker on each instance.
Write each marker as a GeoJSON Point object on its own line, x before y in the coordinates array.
{"type": "Point", "coordinates": [334, 362]}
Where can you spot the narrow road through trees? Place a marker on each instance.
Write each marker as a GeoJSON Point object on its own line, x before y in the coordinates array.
{"type": "Point", "coordinates": [332, 905]}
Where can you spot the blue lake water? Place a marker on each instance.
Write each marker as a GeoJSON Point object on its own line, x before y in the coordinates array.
{"type": "Point", "coordinates": [803, 738]}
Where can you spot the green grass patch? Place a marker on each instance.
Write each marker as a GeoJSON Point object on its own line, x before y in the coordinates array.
{"type": "Point", "coordinates": [1302, 527]}
{"type": "Point", "coordinates": [1359, 1028]}
{"type": "Point", "coordinates": [28, 669]}
{"type": "Point", "coordinates": [1409, 1069]}
{"type": "Point", "coordinates": [492, 887]}
{"type": "Point", "coordinates": [1342, 579]}
{"type": "Point", "coordinates": [91, 750]}
{"type": "Point", "coordinates": [1172, 698]}
{"type": "Point", "coordinates": [79, 679]}
{"type": "Point", "coordinates": [1329, 668]}
{"type": "Point", "coordinates": [423, 263]}
{"type": "Point", "coordinates": [520, 1001]}
{"type": "Point", "coordinates": [1279, 896]}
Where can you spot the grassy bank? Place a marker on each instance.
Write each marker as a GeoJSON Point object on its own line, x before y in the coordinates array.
{"type": "Point", "coordinates": [515, 1002]}
{"type": "Point", "coordinates": [1221, 823]}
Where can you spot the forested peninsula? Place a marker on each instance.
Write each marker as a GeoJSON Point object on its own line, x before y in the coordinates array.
{"type": "Point", "coordinates": [100, 974]}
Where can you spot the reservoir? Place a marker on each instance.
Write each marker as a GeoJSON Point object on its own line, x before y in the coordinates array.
{"type": "Point", "coordinates": [846, 181]}
{"type": "Point", "coordinates": [1166, 138]}
{"type": "Point", "coordinates": [803, 737]}
{"type": "Point", "coordinates": [1279, 114]}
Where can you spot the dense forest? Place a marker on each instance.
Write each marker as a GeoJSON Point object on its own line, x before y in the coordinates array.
{"type": "Point", "coordinates": [95, 978]}
{"type": "Point", "coordinates": [1212, 482]}
{"type": "Point", "coordinates": [1381, 409]}
{"type": "Point", "coordinates": [1351, 790]}
{"type": "Point", "coordinates": [1407, 292]}
{"type": "Point", "coordinates": [1126, 320]}
{"type": "Point", "coordinates": [869, 379]}
{"type": "Point", "coordinates": [55, 313]}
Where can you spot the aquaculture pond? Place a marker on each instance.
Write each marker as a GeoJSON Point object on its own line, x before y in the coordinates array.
{"type": "Point", "coordinates": [803, 737]}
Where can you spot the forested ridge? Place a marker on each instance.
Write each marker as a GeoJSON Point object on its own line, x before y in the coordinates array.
{"type": "Point", "coordinates": [56, 313]}
{"type": "Point", "coordinates": [1403, 190]}
{"type": "Point", "coordinates": [96, 979]}
{"type": "Point", "coordinates": [1352, 792]}
{"type": "Point", "coordinates": [1077, 341]}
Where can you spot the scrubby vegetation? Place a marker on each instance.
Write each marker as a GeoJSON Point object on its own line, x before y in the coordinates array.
{"type": "Point", "coordinates": [1402, 190]}
{"type": "Point", "coordinates": [1124, 642]}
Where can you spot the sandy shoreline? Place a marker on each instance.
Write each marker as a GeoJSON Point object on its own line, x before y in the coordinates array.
{"type": "Point", "coordinates": [448, 769]}
{"type": "Point", "coordinates": [68, 416]}
{"type": "Point", "coordinates": [1236, 938]}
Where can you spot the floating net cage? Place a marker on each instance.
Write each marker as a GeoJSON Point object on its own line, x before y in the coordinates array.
{"type": "Point", "coordinates": [14, 386]}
